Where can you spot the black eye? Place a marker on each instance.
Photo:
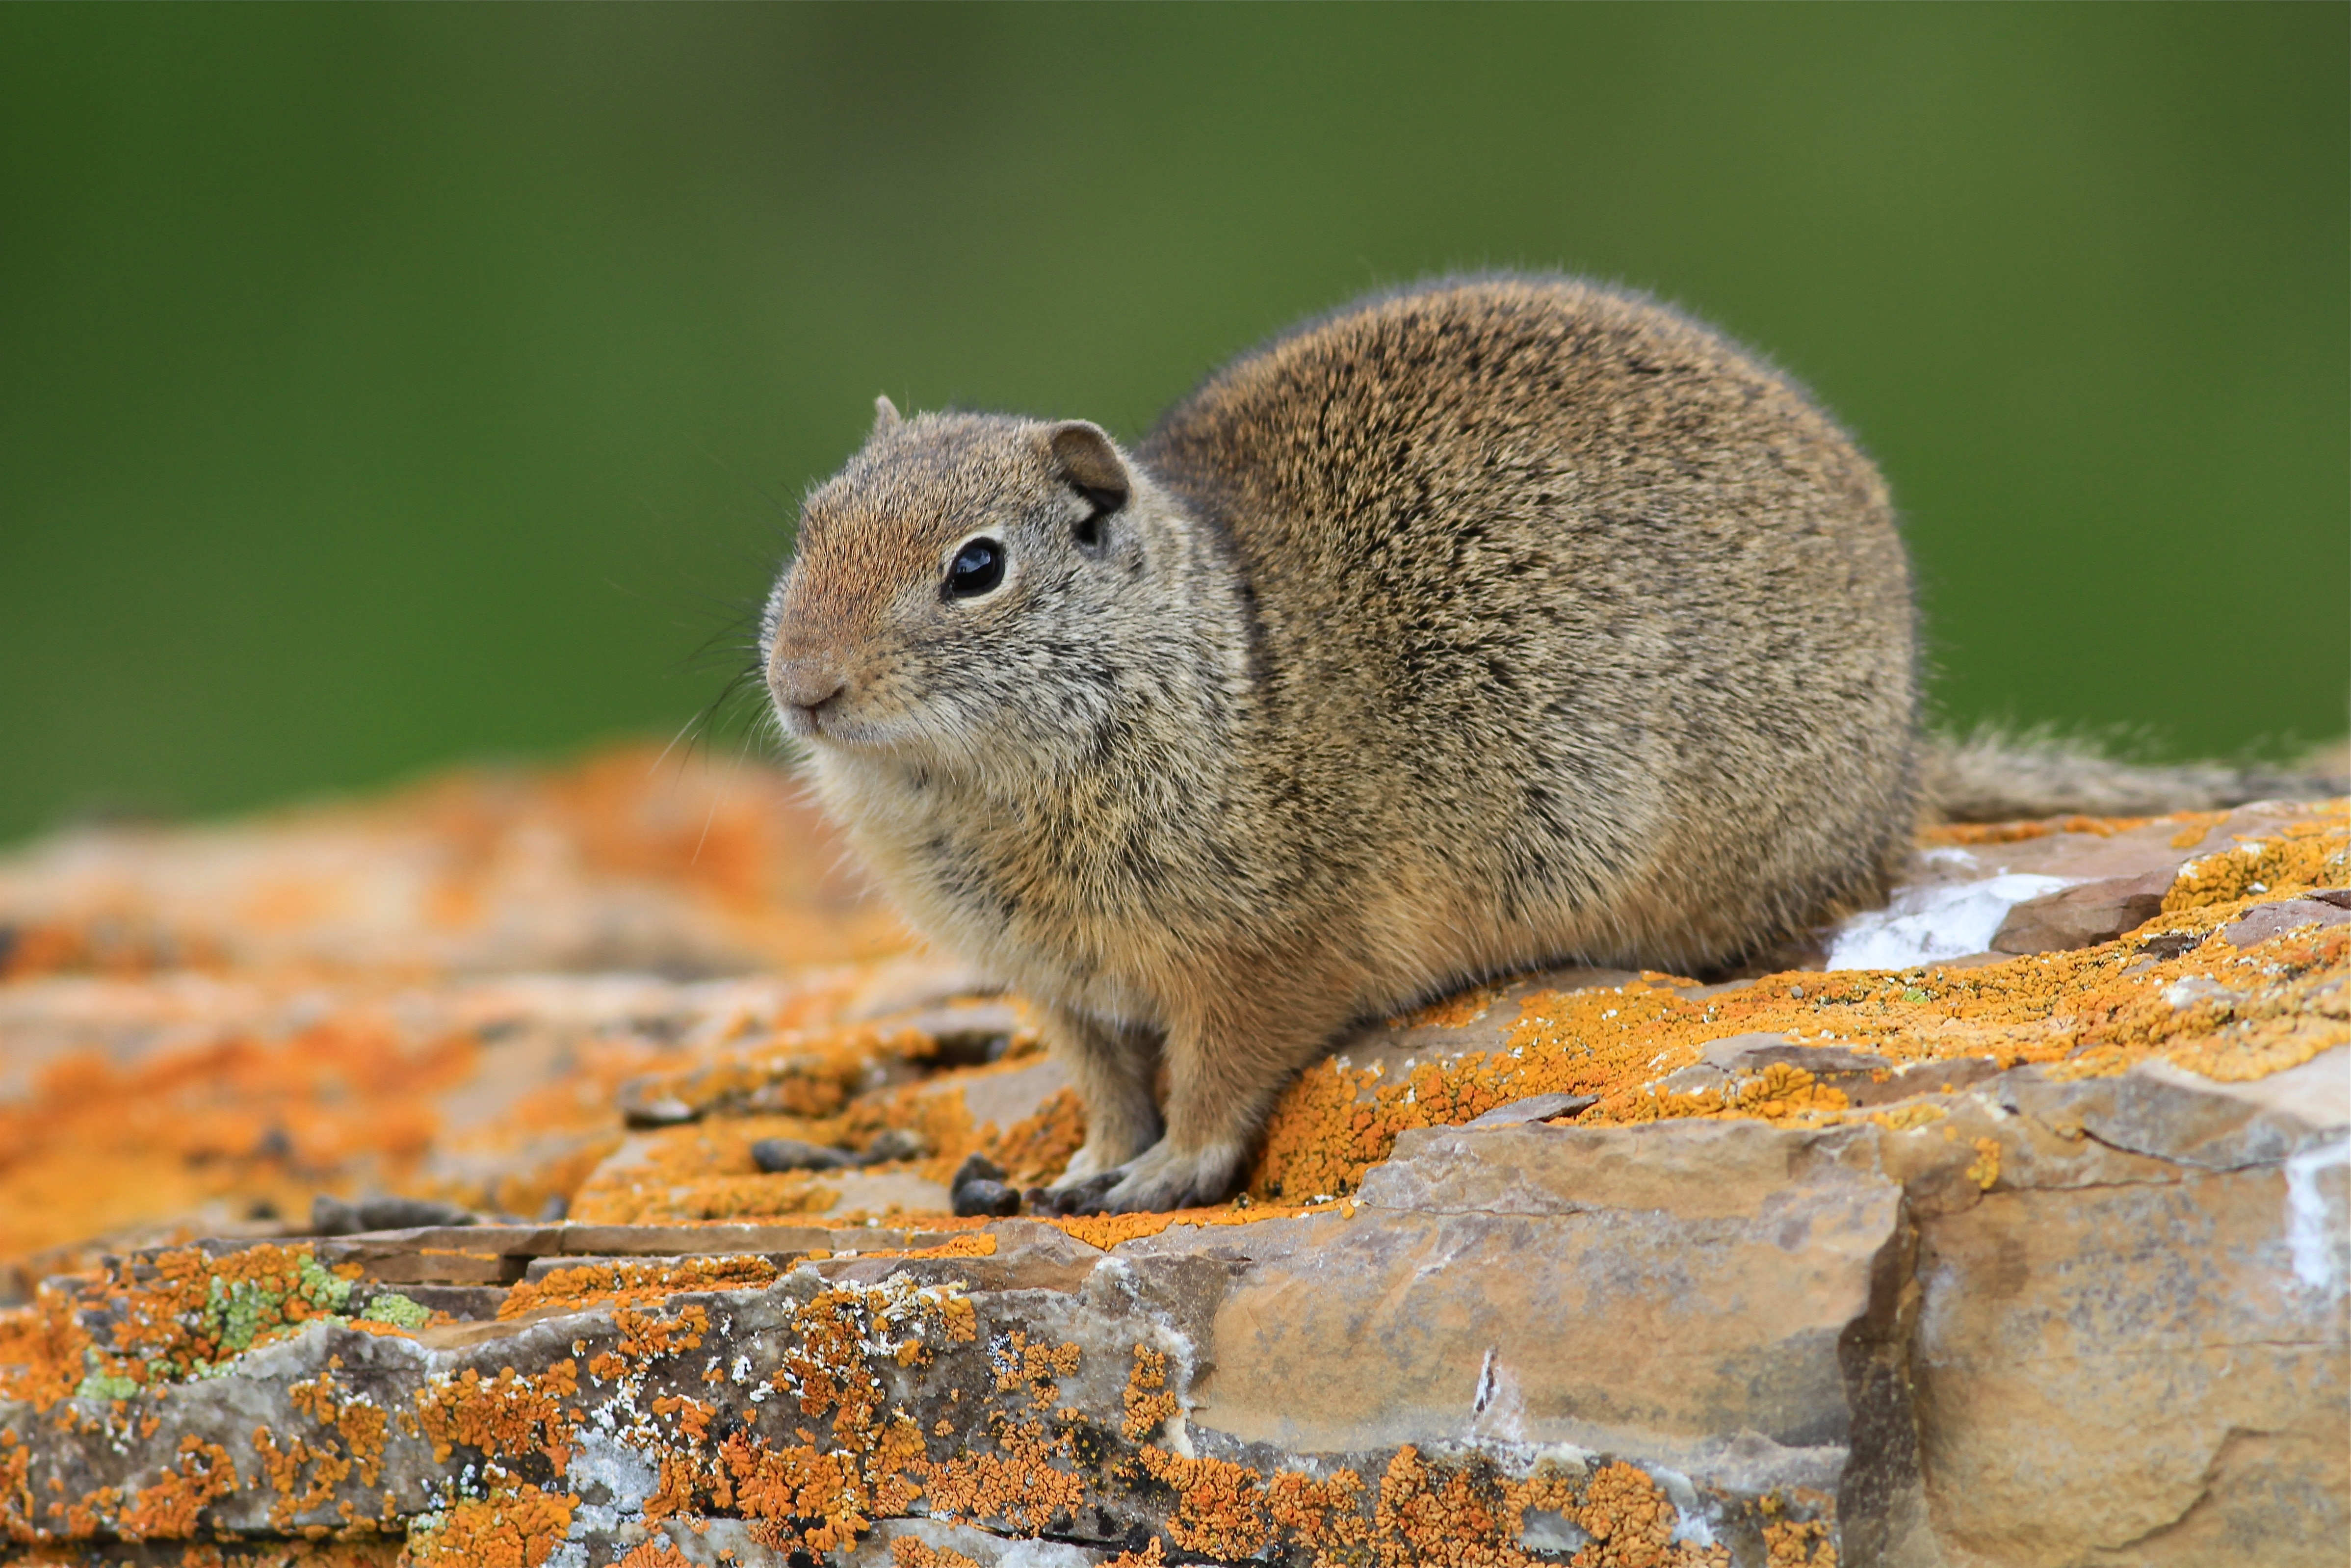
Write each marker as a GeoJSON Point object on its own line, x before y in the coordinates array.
{"type": "Point", "coordinates": [978, 566]}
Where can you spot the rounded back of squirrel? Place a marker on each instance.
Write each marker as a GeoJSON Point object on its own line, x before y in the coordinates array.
{"type": "Point", "coordinates": [1473, 627]}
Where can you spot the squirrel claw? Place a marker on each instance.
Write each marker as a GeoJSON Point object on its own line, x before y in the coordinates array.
{"type": "Point", "coordinates": [1082, 1197]}
{"type": "Point", "coordinates": [1160, 1180]}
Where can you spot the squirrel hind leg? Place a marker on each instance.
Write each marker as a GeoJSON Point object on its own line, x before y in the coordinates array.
{"type": "Point", "coordinates": [1226, 1070]}
{"type": "Point", "coordinates": [1112, 1070]}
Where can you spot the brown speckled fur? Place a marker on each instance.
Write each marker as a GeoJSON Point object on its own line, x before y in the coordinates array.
{"type": "Point", "coordinates": [1475, 626]}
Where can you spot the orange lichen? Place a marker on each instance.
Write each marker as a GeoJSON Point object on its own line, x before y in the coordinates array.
{"type": "Point", "coordinates": [1220, 1508]}
{"type": "Point", "coordinates": [97, 1146]}
{"type": "Point", "coordinates": [1425, 1515]}
{"type": "Point", "coordinates": [1107, 1230]}
{"type": "Point", "coordinates": [1631, 1522]}
{"type": "Point", "coordinates": [658, 1553]}
{"type": "Point", "coordinates": [1460, 1514]}
{"type": "Point", "coordinates": [1325, 1514]}
{"type": "Point", "coordinates": [1036, 1365]}
{"type": "Point", "coordinates": [587, 1285]}
{"type": "Point", "coordinates": [1800, 1543]}
{"type": "Point", "coordinates": [1965, 833]}
{"type": "Point", "coordinates": [1037, 1147]}
{"type": "Point", "coordinates": [42, 1349]}
{"type": "Point", "coordinates": [2194, 827]}
{"type": "Point", "coordinates": [2297, 857]}
{"type": "Point", "coordinates": [1028, 1461]}
{"type": "Point", "coordinates": [350, 1442]}
{"type": "Point", "coordinates": [1457, 1011]}
{"type": "Point", "coordinates": [506, 1417]}
{"type": "Point", "coordinates": [911, 1552]}
{"type": "Point", "coordinates": [16, 1507]}
{"type": "Point", "coordinates": [976, 1244]}
{"type": "Point", "coordinates": [803, 1495]}
{"type": "Point", "coordinates": [167, 1509]}
{"type": "Point", "coordinates": [184, 1312]}
{"type": "Point", "coordinates": [282, 1468]}
{"type": "Point", "coordinates": [810, 1495]}
{"type": "Point", "coordinates": [1018, 1485]}
{"type": "Point", "coordinates": [1150, 1403]}
{"type": "Point", "coordinates": [2096, 1010]}
{"type": "Point", "coordinates": [513, 1528]}
{"type": "Point", "coordinates": [1984, 1170]}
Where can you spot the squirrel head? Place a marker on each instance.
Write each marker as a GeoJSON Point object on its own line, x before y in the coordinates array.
{"type": "Point", "coordinates": [957, 593]}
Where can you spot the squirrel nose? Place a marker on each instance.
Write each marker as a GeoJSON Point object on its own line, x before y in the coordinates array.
{"type": "Point", "coordinates": [804, 683]}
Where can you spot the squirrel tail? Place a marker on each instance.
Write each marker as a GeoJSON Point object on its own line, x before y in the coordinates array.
{"type": "Point", "coordinates": [1994, 775]}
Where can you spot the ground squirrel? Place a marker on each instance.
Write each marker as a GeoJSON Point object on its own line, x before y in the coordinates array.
{"type": "Point", "coordinates": [1473, 627]}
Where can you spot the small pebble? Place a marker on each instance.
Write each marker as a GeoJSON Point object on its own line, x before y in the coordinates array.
{"type": "Point", "coordinates": [979, 1189]}
{"type": "Point", "coordinates": [985, 1197]}
{"type": "Point", "coordinates": [775, 1154]}
{"type": "Point", "coordinates": [896, 1144]}
{"type": "Point", "coordinates": [333, 1217]}
{"type": "Point", "coordinates": [977, 1167]}
{"type": "Point", "coordinates": [2170, 943]}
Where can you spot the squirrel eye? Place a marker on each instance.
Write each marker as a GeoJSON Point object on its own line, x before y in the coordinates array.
{"type": "Point", "coordinates": [977, 568]}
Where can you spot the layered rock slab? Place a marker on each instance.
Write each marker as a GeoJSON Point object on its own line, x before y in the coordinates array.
{"type": "Point", "coordinates": [2060, 1323]}
{"type": "Point", "coordinates": [1821, 1264]}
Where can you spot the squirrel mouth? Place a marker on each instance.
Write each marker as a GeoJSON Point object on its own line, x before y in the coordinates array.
{"type": "Point", "coordinates": [825, 724]}
{"type": "Point", "coordinates": [803, 723]}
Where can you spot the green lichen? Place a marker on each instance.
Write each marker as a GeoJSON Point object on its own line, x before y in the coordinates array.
{"type": "Point", "coordinates": [97, 1385]}
{"type": "Point", "coordinates": [239, 1310]}
{"type": "Point", "coordinates": [397, 1310]}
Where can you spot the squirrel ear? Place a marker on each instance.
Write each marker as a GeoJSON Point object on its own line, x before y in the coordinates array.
{"type": "Point", "coordinates": [1084, 456]}
{"type": "Point", "coordinates": [885, 415]}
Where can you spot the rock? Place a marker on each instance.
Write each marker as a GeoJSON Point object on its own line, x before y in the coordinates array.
{"type": "Point", "coordinates": [2145, 1351]}
{"type": "Point", "coordinates": [482, 871]}
{"type": "Point", "coordinates": [1985, 1262]}
{"type": "Point", "coordinates": [1478, 1020]}
{"type": "Point", "coordinates": [977, 1167]}
{"type": "Point", "coordinates": [869, 1192]}
{"type": "Point", "coordinates": [979, 1189]}
{"type": "Point", "coordinates": [1009, 1094]}
{"type": "Point", "coordinates": [648, 1107]}
{"type": "Point", "coordinates": [985, 1197]}
{"type": "Point", "coordinates": [966, 1033]}
{"type": "Point", "coordinates": [2268, 920]}
{"type": "Point", "coordinates": [2170, 943]}
{"type": "Point", "coordinates": [1862, 1077]}
{"type": "Point", "coordinates": [1956, 899]}
{"type": "Point", "coordinates": [2083, 916]}
{"type": "Point", "coordinates": [893, 1144]}
{"type": "Point", "coordinates": [333, 1217]}
{"type": "Point", "coordinates": [774, 1154]}
{"type": "Point", "coordinates": [2098, 1311]}
{"type": "Point", "coordinates": [1932, 921]}
{"type": "Point", "coordinates": [1534, 1108]}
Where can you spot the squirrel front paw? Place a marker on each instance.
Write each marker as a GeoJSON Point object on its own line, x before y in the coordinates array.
{"type": "Point", "coordinates": [1160, 1178]}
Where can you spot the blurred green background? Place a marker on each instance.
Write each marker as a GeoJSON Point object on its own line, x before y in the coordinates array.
{"type": "Point", "coordinates": [381, 386]}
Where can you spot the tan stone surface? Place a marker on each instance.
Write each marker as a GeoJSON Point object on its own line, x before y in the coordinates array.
{"type": "Point", "coordinates": [1965, 1263]}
